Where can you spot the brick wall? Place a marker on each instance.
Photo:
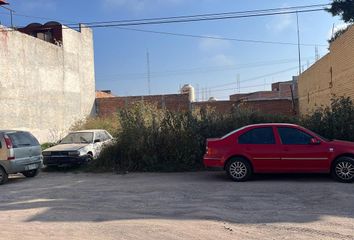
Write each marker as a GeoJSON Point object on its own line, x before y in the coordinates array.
{"type": "Point", "coordinates": [276, 107]}
{"type": "Point", "coordinates": [331, 75]}
{"type": "Point", "coordinates": [179, 102]}
{"type": "Point", "coordinates": [172, 102]}
{"type": "Point", "coordinates": [280, 90]}
{"type": "Point", "coordinates": [219, 106]}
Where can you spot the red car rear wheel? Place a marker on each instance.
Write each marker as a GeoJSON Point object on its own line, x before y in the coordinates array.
{"type": "Point", "coordinates": [239, 169]}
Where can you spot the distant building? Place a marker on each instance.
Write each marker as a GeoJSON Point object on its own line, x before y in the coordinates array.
{"type": "Point", "coordinates": [280, 90]}
{"type": "Point", "coordinates": [46, 78]}
{"type": "Point", "coordinates": [282, 99]}
{"type": "Point", "coordinates": [104, 94]}
{"type": "Point", "coordinates": [332, 75]}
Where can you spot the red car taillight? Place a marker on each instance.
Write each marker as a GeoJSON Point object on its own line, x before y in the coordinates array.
{"type": "Point", "coordinates": [9, 146]}
{"type": "Point", "coordinates": [209, 151]}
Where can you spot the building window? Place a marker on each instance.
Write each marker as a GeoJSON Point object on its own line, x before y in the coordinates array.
{"type": "Point", "coordinates": [46, 36]}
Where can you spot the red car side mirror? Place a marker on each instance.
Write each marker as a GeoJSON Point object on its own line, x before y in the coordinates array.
{"type": "Point", "coordinates": [315, 141]}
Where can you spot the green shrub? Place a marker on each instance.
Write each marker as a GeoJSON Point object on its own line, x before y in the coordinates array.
{"type": "Point", "coordinates": [150, 139]}
{"type": "Point", "coordinates": [333, 122]}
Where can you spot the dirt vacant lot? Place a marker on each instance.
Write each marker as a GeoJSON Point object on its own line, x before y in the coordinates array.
{"type": "Point", "coordinates": [202, 205]}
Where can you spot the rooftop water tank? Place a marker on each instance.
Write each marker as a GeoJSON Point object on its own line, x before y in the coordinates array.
{"type": "Point", "coordinates": [189, 89]}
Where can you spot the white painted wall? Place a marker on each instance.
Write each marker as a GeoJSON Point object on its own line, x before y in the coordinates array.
{"type": "Point", "coordinates": [45, 88]}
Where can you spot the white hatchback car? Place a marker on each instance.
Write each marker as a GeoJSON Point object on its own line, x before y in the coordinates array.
{"type": "Point", "coordinates": [77, 148]}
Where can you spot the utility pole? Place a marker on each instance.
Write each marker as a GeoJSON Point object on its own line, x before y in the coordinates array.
{"type": "Point", "coordinates": [298, 41]}
{"type": "Point", "coordinates": [317, 55]}
{"type": "Point", "coordinates": [148, 71]}
{"type": "Point", "coordinates": [197, 92]}
{"type": "Point", "coordinates": [11, 14]}
{"type": "Point", "coordinates": [238, 85]}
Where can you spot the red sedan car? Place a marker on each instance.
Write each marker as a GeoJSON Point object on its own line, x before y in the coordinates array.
{"type": "Point", "coordinates": [279, 148]}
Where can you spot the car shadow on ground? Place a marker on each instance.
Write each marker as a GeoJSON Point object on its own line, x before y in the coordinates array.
{"type": "Point", "coordinates": [68, 197]}
{"type": "Point", "coordinates": [292, 177]}
{"type": "Point", "coordinates": [66, 169]}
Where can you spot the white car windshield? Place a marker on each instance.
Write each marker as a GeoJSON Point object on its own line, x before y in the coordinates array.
{"type": "Point", "coordinates": [82, 137]}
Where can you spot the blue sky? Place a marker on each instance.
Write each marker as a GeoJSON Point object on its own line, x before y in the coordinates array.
{"type": "Point", "coordinates": [120, 55]}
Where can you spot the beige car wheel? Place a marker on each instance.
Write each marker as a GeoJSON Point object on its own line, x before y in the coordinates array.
{"type": "Point", "coordinates": [3, 176]}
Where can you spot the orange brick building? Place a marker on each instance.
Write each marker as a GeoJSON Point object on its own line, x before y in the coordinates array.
{"type": "Point", "coordinates": [332, 75]}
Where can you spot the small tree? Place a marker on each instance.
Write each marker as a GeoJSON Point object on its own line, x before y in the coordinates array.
{"type": "Point", "coordinates": [344, 9]}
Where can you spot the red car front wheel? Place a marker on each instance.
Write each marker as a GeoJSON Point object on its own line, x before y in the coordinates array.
{"type": "Point", "coordinates": [343, 169]}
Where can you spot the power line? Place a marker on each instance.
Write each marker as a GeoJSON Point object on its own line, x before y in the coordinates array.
{"type": "Point", "coordinates": [197, 17]}
{"type": "Point", "coordinates": [18, 14]}
{"type": "Point", "coordinates": [215, 88]}
{"type": "Point", "coordinates": [233, 89]}
{"type": "Point", "coordinates": [244, 87]}
{"type": "Point", "coordinates": [212, 89]}
{"type": "Point", "coordinates": [220, 38]}
{"type": "Point", "coordinates": [202, 16]}
{"type": "Point", "coordinates": [212, 14]}
{"type": "Point", "coordinates": [256, 78]}
{"type": "Point", "coordinates": [140, 76]}
{"type": "Point", "coordinates": [40, 18]}
{"type": "Point", "coordinates": [168, 21]}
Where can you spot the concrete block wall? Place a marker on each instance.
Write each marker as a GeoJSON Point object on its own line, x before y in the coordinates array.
{"type": "Point", "coordinates": [45, 88]}
{"type": "Point", "coordinates": [332, 75]}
